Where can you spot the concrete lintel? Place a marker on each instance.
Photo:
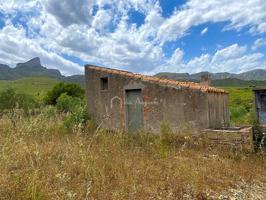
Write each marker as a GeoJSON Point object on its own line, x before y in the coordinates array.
{"type": "Point", "coordinates": [134, 86]}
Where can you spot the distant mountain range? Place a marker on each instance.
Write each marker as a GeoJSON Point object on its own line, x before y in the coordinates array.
{"type": "Point", "coordinates": [257, 74]}
{"type": "Point", "coordinates": [33, 68]}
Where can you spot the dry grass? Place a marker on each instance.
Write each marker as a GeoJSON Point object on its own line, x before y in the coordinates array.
{"type": "Point", "coordinates": [42, 160]}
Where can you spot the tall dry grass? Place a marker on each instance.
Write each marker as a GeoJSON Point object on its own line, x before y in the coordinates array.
{"type": "Point", "coordinates": [40, 159]}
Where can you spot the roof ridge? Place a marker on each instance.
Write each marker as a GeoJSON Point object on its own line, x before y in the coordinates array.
{"type": "Point", "coordinates": [164, 81]}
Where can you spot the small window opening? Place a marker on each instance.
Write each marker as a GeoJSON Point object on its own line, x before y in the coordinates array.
{"type": "Point", "coordinates": [104, 83]}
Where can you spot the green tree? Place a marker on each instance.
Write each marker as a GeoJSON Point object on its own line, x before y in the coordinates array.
{"type": "Point", "coordinates": [66, 103]}
{"type": "Point", "coordinates": [11, 102]}
{"type": "Point", "coordinates": [71, 89]}
{"type": "Point", "coordinates": [7, 100]}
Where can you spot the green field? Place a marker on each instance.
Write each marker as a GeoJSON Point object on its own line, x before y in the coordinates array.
{"type": "Point", "coordinates": [241, 105]}
{"type": "Point", "coordinates": [33, 85]}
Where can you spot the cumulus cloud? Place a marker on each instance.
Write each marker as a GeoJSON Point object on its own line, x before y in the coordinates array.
{"type": "Point", "coordinates": [259, 43]}
{"type": "Point", "coordinates": [237, 58]}
{"type": "Point", "coordinates": [98, 31]}
{"type": "Point", "coordinates": [177, 57]}
{"type": "Point", "coordinates": [101, 19]}
{"type": "Point", "coordinates": [69, 12]}
{"type": "Point", "coordinates": [238, 13]}
{"type": "Point", "coordinates": [15, 48]}
{"type": "Point", "coordinates": [233, 58]}
{"type": "Point", "coordinates": [12, 6]}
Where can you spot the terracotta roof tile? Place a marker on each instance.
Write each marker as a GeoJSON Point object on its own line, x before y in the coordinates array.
{"type": "Point", "coordinates": [191, 85]}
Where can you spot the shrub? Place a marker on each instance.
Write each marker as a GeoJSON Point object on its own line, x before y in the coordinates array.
{"type": "Point", "coordinates": [66, 103]}
{"type": "Point", "coordinates": [71, 89]}
{"type": "Point", "coordinates": [11, 101]}
{"type": "Point", "coordinates": [77, 117]}
{"type": "Point", "coordinates": [238, 111]}
{"type": "Point", "coordinates": [26, 102]}
{"type": "Point", "coordinates": [49, 112]}
{"type": "Point", "coordinates": [166, 134]}
{"type": "Point", "coordinates": [75, 108]}
{"type": "Point", "coordinates": [7, 100]}
{"type": "Point", "coordinates": [41, 98]}
{"type": "Point", "coordinates": [166, 138]}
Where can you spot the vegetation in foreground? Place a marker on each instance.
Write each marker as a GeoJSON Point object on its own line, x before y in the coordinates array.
{"type": "Point", "coordinates": [42, 159]}
{"type": "Point", "coordinates": [56, 152]}
{"type": "Point", "coordinates": [241, 106]}
{"type": "Point", "coordinates": [51, 149]}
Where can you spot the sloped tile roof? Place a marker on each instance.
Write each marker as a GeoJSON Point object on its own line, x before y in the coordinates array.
{"type": "Point", "coordinates": [157, 80]}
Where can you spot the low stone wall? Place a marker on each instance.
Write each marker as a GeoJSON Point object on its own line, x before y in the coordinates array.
{"type": "Point", "coordinates": [259, 133]}
{"type": "Point", "coordinates": [240, 138]}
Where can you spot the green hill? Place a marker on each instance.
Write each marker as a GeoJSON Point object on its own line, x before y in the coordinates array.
{"type": "Point", "coordinates": [234, 82]}
{"type": "Point", "coordinates": [33, 68]}
{"type": "Point", "coordinates": [240, 104]}
{"type": "Point", "coordinates": [31, 85]}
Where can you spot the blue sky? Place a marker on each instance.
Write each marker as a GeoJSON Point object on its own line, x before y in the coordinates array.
{"type": "Point", "coordinates": [144, 36]}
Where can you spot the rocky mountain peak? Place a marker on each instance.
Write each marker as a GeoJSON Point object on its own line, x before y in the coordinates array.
{"type": "Point", "coordinates": [4, 67]}
{"type": "Point", "coordinates": [35, 62]}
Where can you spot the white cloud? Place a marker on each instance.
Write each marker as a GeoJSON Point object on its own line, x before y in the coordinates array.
{"type": "Point", "coordinates": [97, 31]}
{"type": "Point", "coordinates": [124, 47]}
{"type": "Point", "coordinates": [259, 43]}
{"type": "Point", "coordinates": [15, 48]}
{"type": "Point", "coordinates": [11, 6]}
{"type": "Point", "coordinates": [238, 13]}
{"type": "Point", "coordinates": [237, 58]}
{"type": "Point", "coordinates": [70, 12]}
{"type": "Point", "coordinates": [177, 57]}
{"type": "Point", "coordinates": [204, 31]}
{"type": "Point", "coordinates": [101, 19]}
{"type": "Point", "coordinates": [233, 51]}
{"type": "Point", "coordinates": [233, 58]}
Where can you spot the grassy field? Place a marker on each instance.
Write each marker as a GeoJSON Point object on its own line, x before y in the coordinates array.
{"type": "Point", "coordinates": [233, 82]}
{"type": "Point", "coordinates": [33, 85]}
{"type": "Point", "coordinates": [39, 159]}
{"type": "Point", "coordinates": [43, 158]}
{"type": "Point", "coordinates": [241, 105]}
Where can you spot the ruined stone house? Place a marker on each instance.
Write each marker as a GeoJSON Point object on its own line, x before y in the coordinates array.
{"type": "Point", "coordinates": [121, 100]}
{"type": "Point", "coordinates": [260, 105]}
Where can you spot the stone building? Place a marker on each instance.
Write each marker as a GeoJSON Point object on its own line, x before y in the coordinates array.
{"type": "Point", "coordinates": [260, 104]}
{"type": "Point", "coordinates": [121, 100]}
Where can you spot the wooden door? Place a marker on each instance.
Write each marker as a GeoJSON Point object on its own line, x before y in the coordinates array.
{"type": "Point", "coordinates": [134, 110]}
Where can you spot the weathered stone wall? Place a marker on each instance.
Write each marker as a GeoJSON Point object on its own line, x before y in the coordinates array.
{"type": "Point", "coordinates": [260, 104]}
{"type": "Point", "coordinates": [170, 104]}
{"type": "Point", "coordinates": [218, 109]}
{"type": "Point", "coordinates": [241, 138]}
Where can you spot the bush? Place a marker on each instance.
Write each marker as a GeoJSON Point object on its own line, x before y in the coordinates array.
{"type": "Point", "coordinates": [66, 103]}
{"type": "Point", "coordinates": [166, 138]}
{"type": "Point", "coordinates": [41, 98]}
{"type": "Point", "coordinates": [238, 112]}
{"type": "Point", "coordinates": [71, 89]}
{"type": "Point", "coordinates": [77, 117]}
{"type": "Point", "coordinates": [167, 134]}
{"type": "Point", "coordinates": [49, 112]}
{"type": "Point", "coordinates": [26, 102]}
{"type": "Point", "coordinates": [10, 100]}
{"type": "Point", "coordinates": [7, 100]}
